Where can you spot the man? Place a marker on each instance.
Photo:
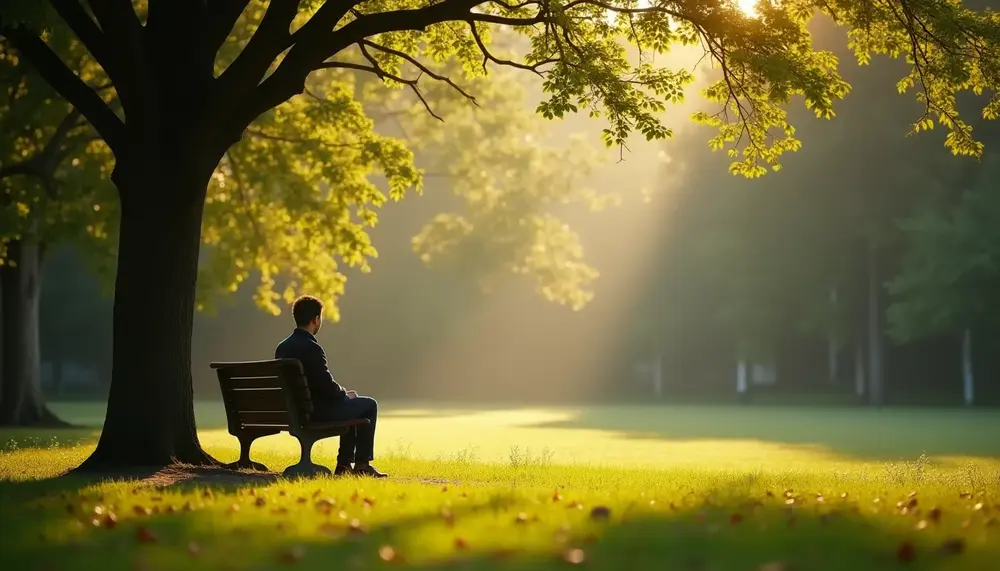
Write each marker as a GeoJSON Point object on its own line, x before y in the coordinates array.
{"type": "Point", "coordinates": [330, 401]}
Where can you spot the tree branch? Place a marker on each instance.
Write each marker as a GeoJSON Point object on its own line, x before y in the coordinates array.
{"type": "Point", "coordinates": [268, 41]}
{"type": "Point", "coordinates": [67, 84]}
{"type": "Point", "coordinates": [220, 17]}
{"type": "Point", "coordinates": [118, 19]}
{"type": "Point", "coordinates": [311, 50]}
{"type": "Point", "coordinates": [86, 29]}
{"type": "Point", "coordinates": [423, 69]}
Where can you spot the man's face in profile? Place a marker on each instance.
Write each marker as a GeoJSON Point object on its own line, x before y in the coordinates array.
{"type": "Point", "coordinates": [317, 323]}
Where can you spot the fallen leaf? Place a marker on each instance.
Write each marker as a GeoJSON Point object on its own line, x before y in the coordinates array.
{"type": "Point", "coordinates": [953, 546]}
{"type": "Point", "coordinates": [906, 551]}
{"type": "Point", "coordinates": [281, 510]}
{"type": "Point", "coordinates": [770, 494]}
{"type": "Point", "coordinates": [386, 553]}
{"type": "Point", "coordinates": [556, 496]}
{"type": "Point", "coordinates": [355, 526]}
{"type": "Point", "coordinates": [301, 500]}
{"type": "Point", "coordinates": [145, 535]}
{"type": "Point", "coordinates": [370, 501]}
{"type": "Point", "coordinates": [141, 510]}
{"type": "Point", "coordinates": [444, 488]}
{"type": "Point", "coordinates": [574, 556]}
{"type": "Point", "coordinates": [110, 521]}
{"type": "Point", "coordinates": [293, 554]}
{"type": "Point", "coordinates": [600, 513]}
{"type": "Point", "coordinates": [913, 503]}
{"type": "Point", "coordinates": [736, 518]}
{"type": "Point", "coordinates": [935, 514]}
{"type": "Point", "coordinates": [355, 496]}
{"type": "Point", "coordinates": [234, 508]}
{"type": "Point", "coordinates": [260, 502]}
{"type": "Point", "coordinates": [461, 544]}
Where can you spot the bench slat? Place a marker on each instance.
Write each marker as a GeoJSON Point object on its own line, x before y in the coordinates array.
{"type": "Point", "coordinates": [275, 419]}
{"type": "Point", "coordinates": [232, 382]}
{"type": "Point", "coordinates": [257, 400]}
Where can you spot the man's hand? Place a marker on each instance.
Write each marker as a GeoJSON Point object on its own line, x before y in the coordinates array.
{"type": "Point", "coordinates": [352, 394]}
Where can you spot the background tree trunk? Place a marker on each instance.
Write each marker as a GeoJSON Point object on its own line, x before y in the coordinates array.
{"type": "Point", "coordinates": [876, 381]}
{"type": "Point", "coordinates": [150, 417]}
{"type": "Point", "coordinates": [968, 378]}
{"type": "Point", "coordinates": [21, 400]}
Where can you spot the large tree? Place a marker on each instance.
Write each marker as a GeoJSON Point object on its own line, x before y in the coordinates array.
{"type": "Point", "coordinates": [181, 113]}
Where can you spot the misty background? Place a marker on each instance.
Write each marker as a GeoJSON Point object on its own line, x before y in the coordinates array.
{"type": "Point", "coordinates": [690, 253]}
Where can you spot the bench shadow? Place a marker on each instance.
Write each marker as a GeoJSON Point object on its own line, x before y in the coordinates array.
{"type": "Point", "coordinates": [718, 531]}
{"type": "Point", "coordinates": [861, 433]}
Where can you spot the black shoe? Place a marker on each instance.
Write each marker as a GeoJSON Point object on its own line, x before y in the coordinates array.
{"type": "Point", "coordinates": [369, 471]}
{"type": "Point", "coordinates": [343, 470]}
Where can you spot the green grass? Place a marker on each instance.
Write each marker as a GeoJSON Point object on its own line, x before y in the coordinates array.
{"type": "Point", "coordinates": [688, 488]}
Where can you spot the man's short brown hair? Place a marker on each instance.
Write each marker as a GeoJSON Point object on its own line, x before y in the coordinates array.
{"type": "Point", "coordinates": [305, 309]}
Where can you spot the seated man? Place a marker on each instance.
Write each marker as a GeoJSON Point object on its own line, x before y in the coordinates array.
{"type": "Point", "coordinates": [330, 401]}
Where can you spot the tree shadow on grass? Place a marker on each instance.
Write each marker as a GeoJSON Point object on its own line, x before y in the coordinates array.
{"type": "Point", "coordinates": [277, 524]}
{"type": "Point", "coordinates": [859, 432]}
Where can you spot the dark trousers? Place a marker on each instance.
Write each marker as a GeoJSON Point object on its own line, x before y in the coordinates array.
{"type": "Point", "coordinates": [358, 444]}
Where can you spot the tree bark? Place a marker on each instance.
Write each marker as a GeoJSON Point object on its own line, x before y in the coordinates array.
{"type": "Point", "coordinates": [150, 418]}
{"type": "Point", "coordinates": [21, 400]}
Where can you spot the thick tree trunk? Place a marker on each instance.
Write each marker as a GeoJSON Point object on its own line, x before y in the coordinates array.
{"type": "Point", "coordinates": [21, 400]}
{"type": "Point", "coordinates": [150, 417]}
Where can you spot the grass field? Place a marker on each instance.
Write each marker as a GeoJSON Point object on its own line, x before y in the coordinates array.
{"type": "Point", "coordinates": [611, 488]}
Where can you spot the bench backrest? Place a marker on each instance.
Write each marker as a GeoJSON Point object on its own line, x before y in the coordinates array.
{"type": "Point", "coordinates": [264, 394]}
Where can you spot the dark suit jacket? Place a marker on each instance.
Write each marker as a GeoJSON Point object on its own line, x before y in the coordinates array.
{"type": "Point", "coordinates": [303, 346]}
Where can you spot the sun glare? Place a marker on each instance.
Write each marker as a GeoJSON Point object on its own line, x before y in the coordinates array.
{"type": "Point", "coordinates": [748, 7]}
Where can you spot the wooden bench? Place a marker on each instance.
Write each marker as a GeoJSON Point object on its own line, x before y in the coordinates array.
{"type": "Point", "coordinates": [267, 397]}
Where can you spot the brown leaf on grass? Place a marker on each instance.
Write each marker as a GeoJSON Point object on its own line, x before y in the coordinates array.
{"type": "Point", "coordinates": [770, 494]}
{"type": "Point", "coordinates": [369, 501]}
{"type": "Point", "coordinates": [906, 552]}
{"type": "Point", "coordinates": [355, 496]}
{"type": "Point", "coordinates": [141, 510]}
{"type": "Point", "coordinates": [109, 521]}
{"type": "Point", "coordinates": [574, 556]}
{"type": "Point", "coordinates": [145, 535]}
{"type": "Point", "coordinates": [386, 553]}
{"type": "Point", "coordinates": [461, 544]}
{"type": "Point", "coordinates": [934, 515]}
{"type": "Point", "coordinates": [281, 510]}
{"type": "Point", "coordinates": [206, 494]}
{"type": "Point", "coordinates": [600, 513]}
{"type": "Point", "coordinates": [301, 500]}
{"type": "Point", "coordinates": [574, 506]}
{"type": "Point", "coordinates": [233, 508]}
{"type": "Point", "coordinates": [355, 527]}
{"type": "Point", "coordinates": [912, 503]}
{"type": "Point", "coordinates": [260, 502]}
{"type": "Point", "coordinates": [282, 493]}
{"type": "Point", "coordinates": [556, 496]}
{"type": "Point", "coordinates": [292, 554]}
{"type": "Point", "coordinates": [444, 488]}
{"type": "Point", "coordinates": [953, 546]}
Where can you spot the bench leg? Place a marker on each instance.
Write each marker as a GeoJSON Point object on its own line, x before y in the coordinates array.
{"type": "Point", "coordinates": [246, 440]}
{"type": "Point", "coordinates": [305, 467]}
